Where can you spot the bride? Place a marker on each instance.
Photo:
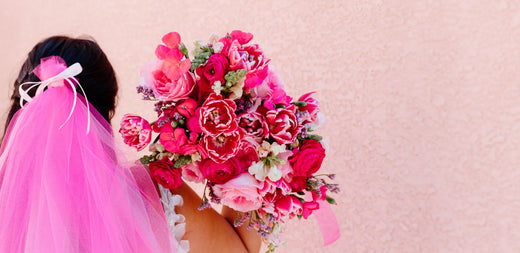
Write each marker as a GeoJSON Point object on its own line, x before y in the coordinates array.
{"type": "Point", "coordinates": [64, 187]}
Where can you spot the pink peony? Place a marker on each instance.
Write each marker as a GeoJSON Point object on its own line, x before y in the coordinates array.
{"type": "Point", "coordinates": [136, 131]}
{"type": "Point", "coordinates": [283, 125]}
{"type": "Point", "coordinates": [221, 147]}
{"type": "Point", "coordinates": [217, 116]}
{"type": "Point", "coordinates": [214, 70]}
{"type": "Point", "coordinates": [240, 193]}
{"type": "Point", "coordinates": [219, 173]}
{"type": "Point", "coordinates": [307, 159]}
{"type": "Point", "coordinates": [165, 174]}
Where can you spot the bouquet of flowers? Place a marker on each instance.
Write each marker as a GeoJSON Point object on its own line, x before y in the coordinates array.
{"type": "Point", "coordinates": [224, 119]}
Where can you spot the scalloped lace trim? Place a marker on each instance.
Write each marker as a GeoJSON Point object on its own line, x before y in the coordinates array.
{"type": "Point", "coordinates": [177, 222]}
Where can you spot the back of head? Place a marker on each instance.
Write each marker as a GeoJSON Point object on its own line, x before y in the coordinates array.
{"type": "Point", "coordinates": [97, 78]}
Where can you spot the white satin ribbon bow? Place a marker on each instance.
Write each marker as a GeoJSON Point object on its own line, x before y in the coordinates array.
{"type": "Point", "coordinates": [67, 75]}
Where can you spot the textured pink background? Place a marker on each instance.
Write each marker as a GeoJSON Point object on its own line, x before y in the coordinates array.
{"type": "Point", "coordinates": [422, 99]}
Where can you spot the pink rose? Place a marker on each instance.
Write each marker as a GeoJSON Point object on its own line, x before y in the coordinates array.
{"type": "Point", "coordinates": [219, 173]}
{"type": "Point", "coordinates": [288, 207]}
{"type": "Point", "coordinates": [165, 174]}
{"type": "Point", "coordinates": [170, 81]}
{"type": "Point", "coordinates": [283, 125]}
{"type": "Point", "coordinates": [136, 131]}
{"type": "Point", "coordinates": [191, 172]}
{"type": "Point", "coordinates": [308, 158]}
{"type": "Point", "coordinates": [214, 70]}
{"type": "Point", "coordinates": [240, 193]}
{"type": "Point", "coordinates": [311, 107]}
{"type": "Point", "coordinates": [217, 116]}
{"type": "Point", "coordinates": [176, 141]}
{"type": "Point", "coordinates": [221, 147]}
{"type": "Point", "coordinates": [254, 125]}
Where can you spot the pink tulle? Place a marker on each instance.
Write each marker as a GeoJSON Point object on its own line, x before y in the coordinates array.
{"type": "Point", "coordinates": [62, 190]}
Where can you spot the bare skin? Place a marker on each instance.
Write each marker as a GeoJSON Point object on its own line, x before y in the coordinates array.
{"type": "Point", "coordinates": [209, 231]}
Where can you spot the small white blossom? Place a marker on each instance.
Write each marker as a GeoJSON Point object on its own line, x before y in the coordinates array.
{"type": "Point", "coordinates": [217, 87]}
{"type": "Point", "coordinates": [217, 47]}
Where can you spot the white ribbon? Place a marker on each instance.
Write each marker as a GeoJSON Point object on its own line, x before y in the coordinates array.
{"type": "Point", "coordinates": [67, 75]}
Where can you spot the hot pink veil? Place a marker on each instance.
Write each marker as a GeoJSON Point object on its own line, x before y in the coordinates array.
{"type": "Point", "coordinates": [66, 189]}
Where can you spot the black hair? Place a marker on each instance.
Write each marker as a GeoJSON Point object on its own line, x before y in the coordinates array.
{"type": "Point", "coordinates": [97, 78]}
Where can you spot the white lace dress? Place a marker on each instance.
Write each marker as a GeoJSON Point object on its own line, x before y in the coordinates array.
{"type": "Point", "coordinates": [176, 221]}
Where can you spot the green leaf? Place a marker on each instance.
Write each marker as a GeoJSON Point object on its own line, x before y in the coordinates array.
{"type": "Point", "coordinates": [299, 103]}
{"type": "Point", "coordinates": [184, 50]}
{"type": "Point", "coordinates": [330, 200]}
{"type": "Point", "coordinates": [183, 160]}
{"type": "Point", "coordinates": [315, 137]}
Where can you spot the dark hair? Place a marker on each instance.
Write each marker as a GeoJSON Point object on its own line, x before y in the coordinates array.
{"type": "Point", "coordinates": [97, 78]}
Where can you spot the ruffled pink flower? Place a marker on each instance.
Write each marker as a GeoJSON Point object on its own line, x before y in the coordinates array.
{"type": "Point", "coordinates": [176, 141]}
{"type": "Point", "coordinates": [288, 207]}
{"type": "Point", "coordinates": [254, 125]}
{"type": "Point", "coordinates": [283, 125]}
{"type": "Point", "coordinates": [136, 131]}
{"type": "Point", "coordinates": [217, 116]}
{"type": "Point", "coordinates": [221, 147]}
{"type": "Point", "coordinates": [237, 57]}
{"type": "Point", "coordinates": [240, 193]}
{"type": "Point", "coordinates": [311, 107]}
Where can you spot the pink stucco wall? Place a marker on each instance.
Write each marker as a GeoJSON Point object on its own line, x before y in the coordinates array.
{"type": "Point", "coordinates": [422, 99]}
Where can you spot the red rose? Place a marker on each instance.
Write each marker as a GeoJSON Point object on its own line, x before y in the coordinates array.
{"type": "Point", "coordinates": [219, 173]}
{"type": "Point", "coordinates": [165, 174]}
{"type": "Point", "coordinates": [283, 125]}
{"type": "Point", "coordinates": [307, 160]}
{"type": "Point", "coordinates": [217, 116]}
{"type": "Point", "coordinates": [254, 125]}
{"type": "Point", "coordinates": [214, 70]}
{"type": "Point", "coordinates": [221, 147]}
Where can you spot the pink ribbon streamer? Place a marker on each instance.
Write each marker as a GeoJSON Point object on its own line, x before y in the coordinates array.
{"type": "Point", "coordinates": [327, 222]}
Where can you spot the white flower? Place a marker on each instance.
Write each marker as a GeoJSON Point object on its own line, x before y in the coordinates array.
{"type": "Point", "coordinates": [261, 171]}
{"type": "Point", "coordinates": [198, 45]}
{"type": "Point", "coordinates": [217, 87]}
{"type": "Point", "coordinates": [195, 157]}
{"type": "Point", "coordinates": [217, 47]}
